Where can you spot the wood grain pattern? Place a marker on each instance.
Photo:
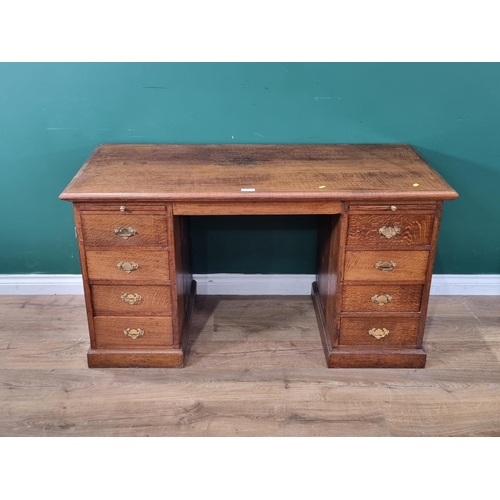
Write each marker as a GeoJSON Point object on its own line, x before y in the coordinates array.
{"type": "Point", "coordinates": [110, 332]}
{"type": "Point", "coordinates": [153, 265]}
{"type": "Point", "coordinates": [84, 268]}
{"type": "Point", "coordinates": [410, 265]}
{"type": "Point", "coordinates": [128, 208]}
{"type": "Point", "coordinates": [286, 172]}
{"type": "Point", "coordinates": [155, 300]}
{"type": "Point", "coordinates": [405, 298]}
{"type": "Point", "coordinates": [414, 230]}
{"type": "Point", "coordinates": [139, 358]}
{"type": "Point", "coordinates": [327, 278]}
{"type": "Point", "coordinates": [247, 382]}
{"type": "Point", "coordinates": [99, 230]}
{"type": "Point", "coordinates": [428, 274]}
{"type": "Point", "coordinates": [383, 358]}
{"type": "Point", "coordinates": [181, 269]}
{"type": "Point", "coordinates": [392, 207]}
{"type": "Point", "coordinates": [253, 208]}
{"type": "Point", "coordinates": [402, 331]}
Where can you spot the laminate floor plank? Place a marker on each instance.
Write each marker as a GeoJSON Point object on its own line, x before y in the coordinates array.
{"type": "Point", "coordinates": [256, 368]}
{"type": "Point", "coordinates": [486, 306]}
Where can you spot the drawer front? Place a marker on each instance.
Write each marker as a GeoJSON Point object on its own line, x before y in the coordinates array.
{"type": "Point", "coordinates": [139, 300]}
{"type": "Point", "coordinates": [379, 331]}
{"type": "Point", "coordinates": [381, 298]}
{"type": "Point", "coordinates": [390, 230]}
{"type": "Point", "coordinates": [137, 332]}
{"type": "Point", "coordinates": [124, 230]}
{"type": "Point", "coordinates": [134, 265]}
{"type": "Point", "coordinates": [387, 265]}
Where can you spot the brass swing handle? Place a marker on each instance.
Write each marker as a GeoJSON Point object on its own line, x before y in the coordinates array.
{"type": "Point", "coordinates": [385, 266]}
{"type": "Point", "coordinates": [125, 232]}
{"type": "Point", "coordinates": [389, 231]}
{"type": "Point", "coordinates": [133, 333]}
{"type": "Point", "coordinates": [378, 333]}
{"type": "Point", "coordinates": [382, 299]}
{"type": "Point", "coordinates": [128, 267]}
{"type": "Point", "coordinates": [131, 298]}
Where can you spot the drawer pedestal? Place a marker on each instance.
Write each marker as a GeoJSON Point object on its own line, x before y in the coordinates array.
{"type": "Point", "coordinates": [371, 311]}
{"type": "Point", "coordinates": [138, 285]}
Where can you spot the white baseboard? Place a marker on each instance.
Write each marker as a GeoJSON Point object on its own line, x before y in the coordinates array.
{"type": "Point", "coordinates": [300, 284]}
{"type": "Point", "coordinates": [242, 284]}
{"type": "Point", "coordinates": [254, 284]}
{"type": "Point", "coordinates": [465, 284]}
{"type": "Point", "coordinates": [41, 284]}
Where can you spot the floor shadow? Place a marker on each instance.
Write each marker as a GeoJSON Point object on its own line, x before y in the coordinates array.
{"type": "Point", "coordinates": [204, 308]}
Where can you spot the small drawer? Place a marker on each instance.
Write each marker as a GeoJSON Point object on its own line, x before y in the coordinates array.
{"type": "Point", "coordinates": [386, 265]}
{"type": "Point", "coordinates": [378, 331]}
{"type": "Point", "coordinates": [128, 265]}
{"type": "Point", "coordinates": [381, 298]}
{"type": "Point", "coordinates": [136, 332]}
{"type": "Point", "coordinates": [143, 300]}
{"type": "Point", "coordinates": [390, 230]}
{"type": "Point", "coordinates": [121, 230]}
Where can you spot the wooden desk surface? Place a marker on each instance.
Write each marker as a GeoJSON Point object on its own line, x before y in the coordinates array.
{"type": "Point", "coordinates": [209, 172]}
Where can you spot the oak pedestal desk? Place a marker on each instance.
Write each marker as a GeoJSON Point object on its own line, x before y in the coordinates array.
{"type": "Point", "coordinates": [379, 209]}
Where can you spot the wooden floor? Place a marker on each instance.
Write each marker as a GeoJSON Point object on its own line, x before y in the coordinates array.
{"type": "Point", "coordinates": [256, 368]}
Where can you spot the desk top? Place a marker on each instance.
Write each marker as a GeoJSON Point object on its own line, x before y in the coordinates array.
{"type": "Point", "coordinates": [245, 172]}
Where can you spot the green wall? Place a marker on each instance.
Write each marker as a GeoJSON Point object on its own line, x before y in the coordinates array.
{"type": "Point", "coordinates": [53, 115]}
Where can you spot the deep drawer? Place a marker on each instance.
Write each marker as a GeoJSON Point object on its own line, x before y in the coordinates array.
{"type": "Point", "coordinates": [379, 331]}
{"type": "Point", "coordinates": [132, 299]}
{"type": "Point", "coordinates": [386, 265]}
{"type": "Point", "coordinates": [132, 332]}
{"type": "Point", "coordinates": [128, 265]}
{"type": "Point", "coordinates": [381, 298]}
{"type": "Point", "coordinates": [388, 231]}
{"type": "Point", "coordinates": [123, 230]}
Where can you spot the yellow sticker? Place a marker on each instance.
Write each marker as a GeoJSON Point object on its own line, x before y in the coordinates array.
{"type": "Point", "coordinates": [416, 184]}
{"type": "Point", "coordinates": [321, 187]}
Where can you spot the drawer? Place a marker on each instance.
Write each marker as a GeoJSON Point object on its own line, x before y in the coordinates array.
{"type": "Point", "coordinates": [136, 332]}
{"type": "Point", "coordinates": [128, 265]}
{"type": "Point", "coordinates": [121, 230]}
{"type": "Point", "coordinates": [378, 331]}
{"type": "Point", "coordinates": [390, 230]}
{"type": "Point", "coordinates": [381, 298]}
{"type": "Point", "coordinates": [386, 265]}
{"type": "Point", "coordinates": [139, 300]}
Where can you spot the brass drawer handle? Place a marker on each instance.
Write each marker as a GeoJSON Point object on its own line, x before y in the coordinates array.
{"type": "Point", "coordinates": [128, 267]}
{"type": "Point", "coordinates": [389, 231]}
{"type": "Point", "coordinates": [131, 298]}
{"type": "Point", "coordinates": [382, 299]}
{"type": "Point", "coordinates": [386, 265]}
{"type": "Point", "coordinates": [379, 333]}
{"type": "Point", "coordinates": [125, 232]}
{"type": "Point", "coordinates": [133, 333]}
